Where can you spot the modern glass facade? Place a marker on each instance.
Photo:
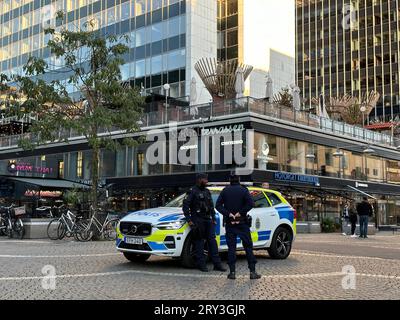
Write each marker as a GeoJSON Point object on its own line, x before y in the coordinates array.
{"type": "Point", "coordinates": [228, 30]}
{"type": "Point", "coordinates": [349, 47]}
{"type": "Point", "coordinates": [285, 155]}
{"type": "Point", "coordinates": [156, 29]}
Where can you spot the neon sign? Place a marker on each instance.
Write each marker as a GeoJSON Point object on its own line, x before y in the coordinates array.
{"type": "Point", "coordinates": [44, 193]}
{"type": "Point", "coordinates": [27, 167]}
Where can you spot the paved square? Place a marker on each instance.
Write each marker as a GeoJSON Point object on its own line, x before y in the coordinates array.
{"type": "Point", "coordinates": [95, 270]}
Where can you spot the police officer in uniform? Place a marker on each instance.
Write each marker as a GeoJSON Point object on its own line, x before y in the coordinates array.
{"type": "Point", "coordinates": [234, 203]}
{"type": "Point", "coordinates": [199, 211]}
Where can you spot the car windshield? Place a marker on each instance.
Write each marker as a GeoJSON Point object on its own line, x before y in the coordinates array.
{"type": "Point", "coordinates": [178, 202]}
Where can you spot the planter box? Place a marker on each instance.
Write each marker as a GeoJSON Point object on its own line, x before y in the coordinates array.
{"type": "Point", "coordinates": [308, 227]}
{"type": "Point", "coordinates": [36, 228]}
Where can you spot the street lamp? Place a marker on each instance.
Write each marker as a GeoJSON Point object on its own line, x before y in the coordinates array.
{"type": "Point", "coordinates": [339, 154]}
{"type": "Point", "coordinates": [363, 109]}
{"type": "Point", "coordinates": [166, 87]}
{"type": "Point", "coordinates": [367, 151]}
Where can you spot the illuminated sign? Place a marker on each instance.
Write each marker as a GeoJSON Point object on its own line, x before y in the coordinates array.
{"type": "Point", "coordinates": [223, 130]}
{"type": "Point", "coordinates": [27, 167]}
{"type": "Point", "coordinates": [43, 194]}
{"type": "Point", "coordinates": [361, 185]}
{"type": "Point", "coordinates": [293, 177]}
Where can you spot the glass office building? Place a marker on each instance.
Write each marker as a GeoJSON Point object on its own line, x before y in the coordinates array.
{"type": "Point", "coordinates": [351, 47]}
{"type": "Point", "coordinates": [161, 35]}
{"type": "Point", "coordinates": [252, 33]}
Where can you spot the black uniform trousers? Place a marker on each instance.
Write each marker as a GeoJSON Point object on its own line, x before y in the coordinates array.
{"type": "Point", "coordinates": [242, 231]}
{"type": "Point", "coordinates": [205, 232]}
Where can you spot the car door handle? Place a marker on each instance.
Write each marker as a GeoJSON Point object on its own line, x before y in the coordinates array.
{"type": "Point", "coordinates": [273, 214]}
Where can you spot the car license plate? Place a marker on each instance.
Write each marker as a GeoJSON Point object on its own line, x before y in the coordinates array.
{"type": "Point", "coordinates": [134, 240]}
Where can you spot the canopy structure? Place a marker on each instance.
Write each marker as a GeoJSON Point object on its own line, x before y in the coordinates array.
{"type": "Point", "coordinates": [362, 192]}
{"type": "Point", "coordinates": [51, 183]}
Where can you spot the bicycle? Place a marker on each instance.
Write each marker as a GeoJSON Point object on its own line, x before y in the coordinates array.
{"type": "Point", "coordinates": [3, 224]}
{"type": "Point", "coordinates": [45, 212]}
{"type": "Point", "coordinates": [12, 223]}
{"type": "Point", "coordinates": [68, 225]}
{"type": "Point", "coordinates": [107, 230]}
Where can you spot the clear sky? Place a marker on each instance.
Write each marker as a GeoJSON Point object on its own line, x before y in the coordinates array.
{"type": "Point", "coordinates": [268, 24]}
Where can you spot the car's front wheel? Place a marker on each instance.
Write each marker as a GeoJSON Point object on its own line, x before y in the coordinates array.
{"type": "Point", "coordinates": [136, 257]}
{"type": "Point", "coordinates": [188, 257]}
{"type": "Point", "coordinates": [281, 244]}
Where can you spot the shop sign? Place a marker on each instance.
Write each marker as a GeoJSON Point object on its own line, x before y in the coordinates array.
{"type": "Point", "coordinates": [27, 167]}
{"type": "Point", "coordinates": [361, 185]}
{"type": "Point", "coordinates": [223, 130]}
{"type": "Point", "coordinates": [293, 177]}
{"type": "Point", "coordinates": [44, 194]}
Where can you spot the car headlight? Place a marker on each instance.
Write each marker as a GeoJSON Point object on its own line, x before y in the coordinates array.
{"type": "Point", "coordinates": [176, 225]}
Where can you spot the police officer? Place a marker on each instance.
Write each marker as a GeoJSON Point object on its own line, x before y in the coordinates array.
{"type": "Point", "coordinates": [234, 203]}
{"type": "Point", "coordinates": [199, 211]}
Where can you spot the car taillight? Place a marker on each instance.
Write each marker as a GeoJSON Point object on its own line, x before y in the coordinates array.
{"type": "Point", "coordinates": [295, 214]}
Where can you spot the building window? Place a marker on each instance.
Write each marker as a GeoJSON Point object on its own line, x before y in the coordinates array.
{"type": "Point", "coordinates": [79, 165]}
{"type": "Point", "coordinates": [61, 169]}
{"type": "Point", "coordinates": [140, 162]}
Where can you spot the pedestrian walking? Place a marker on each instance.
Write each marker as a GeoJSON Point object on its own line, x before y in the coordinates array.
{"type": "Point", "coordinates": [353, 219]}
{"type": "Point", "coordinates": [345, 217]}
{"type": "Point", "coordinates": [364, 210]}
{"type": "Point", "coordinates": [198, 208]}
{"type": "Point", "coordinates": [234, 203]}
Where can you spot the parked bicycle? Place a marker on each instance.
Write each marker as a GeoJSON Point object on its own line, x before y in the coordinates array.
{"type": "Point", "coordinates": [11, 222]}
{"type": "Point", "coordinates": [106, 230]}
{"type": "Point", "coordinates": [68, 225]}
{"type": "Point", "coordinates": [3, 224]}
{"type": "Point", "coordinates": [49, 212]}
{"type": "Point", "coordinates": [45, 212]}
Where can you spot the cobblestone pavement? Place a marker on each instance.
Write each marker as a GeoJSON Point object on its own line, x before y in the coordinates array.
{"type": "Point", "coordinates": [96, 271]}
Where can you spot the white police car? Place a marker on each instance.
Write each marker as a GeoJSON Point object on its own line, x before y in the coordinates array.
{"type": "Point", "coordinates": [165, 232]}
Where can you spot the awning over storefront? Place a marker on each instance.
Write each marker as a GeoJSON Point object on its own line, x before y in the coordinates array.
{"type": "Point", "coordinates": [362, 192]}
{"type": "Point", "coordinates": [51, 183]}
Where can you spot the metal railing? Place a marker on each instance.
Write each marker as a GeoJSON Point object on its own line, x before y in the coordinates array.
{"type": "Point", "coordinates": [247, 105]}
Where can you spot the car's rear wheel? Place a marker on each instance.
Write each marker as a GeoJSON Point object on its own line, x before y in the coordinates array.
{"type": "Point", "coordinates": [136, 257]}
{"type": "Point", "coordinates": [281, 244]}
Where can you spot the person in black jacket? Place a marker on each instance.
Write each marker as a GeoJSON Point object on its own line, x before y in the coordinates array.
{"type": "Point", "coordinates": [364, 210]}
{"type": "Point", "coordinates": [234, 203]}
{"type": "Point", "coordinates": [198, 208]}
{"type": "Point", "coordinates": [353, 219]}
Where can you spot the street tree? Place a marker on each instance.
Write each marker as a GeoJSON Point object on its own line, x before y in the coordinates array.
{"type": "Point", "coordinates": [89, 63]}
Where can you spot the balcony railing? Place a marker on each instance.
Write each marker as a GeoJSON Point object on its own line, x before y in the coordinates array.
{"type": "Point", "coordinates": [247, 105]}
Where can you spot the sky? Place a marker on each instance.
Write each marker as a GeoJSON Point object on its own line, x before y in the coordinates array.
{"type": "Point", "coordinates": [268, 24]}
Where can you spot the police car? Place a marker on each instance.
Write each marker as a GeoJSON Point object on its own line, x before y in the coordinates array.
{"type": "Point", "coordinates": [165, 232]}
